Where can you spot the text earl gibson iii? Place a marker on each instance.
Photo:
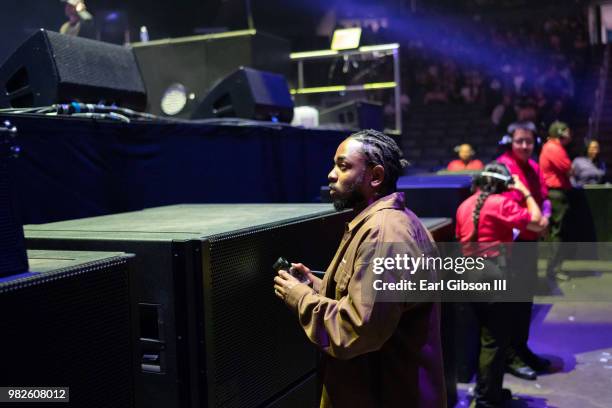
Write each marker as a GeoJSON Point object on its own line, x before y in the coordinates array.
{"type": "Point", "coordinates": [451, 284]}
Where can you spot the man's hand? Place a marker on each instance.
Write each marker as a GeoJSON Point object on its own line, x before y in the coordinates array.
{"type": "Point", "coordinates": [283, 282]}
{"type": "Point", "coordinates": [304, 270]}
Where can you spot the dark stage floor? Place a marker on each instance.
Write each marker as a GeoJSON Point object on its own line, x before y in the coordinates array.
{"type": "Point", "coordinates": [576, 336]}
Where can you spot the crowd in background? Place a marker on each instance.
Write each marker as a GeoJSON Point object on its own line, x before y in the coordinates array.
{"type": "Point", "coordinates": [499, 65]}
{"type": "Point", "coordinates": [535, 70]}
{"type": "Point", "coordinates": [525, 71]}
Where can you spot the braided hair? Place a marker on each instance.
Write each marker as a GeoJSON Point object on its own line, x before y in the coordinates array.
{"type": "Point", "coordinates": [380, 149]}
{"type": "Point", "coordinates": [488, 185]}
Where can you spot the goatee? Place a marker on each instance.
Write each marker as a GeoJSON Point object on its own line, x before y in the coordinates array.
{"type": "Point", "coordinates": [351, 200]}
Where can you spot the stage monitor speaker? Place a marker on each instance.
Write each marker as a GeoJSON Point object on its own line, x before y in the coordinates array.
{"type": "Point", "coordinates": [68, 323]}
{"type": "Point", "coordinates": [13, 257]}
{"type": "Point", "coordinates": [51, 68]}
{"type": "Point", "coordinates": [248, 94]}
{"type": "Point", "coordinates": [354, 115]}
{"type": "Point", "coordinates": [179, 72]}
{"type": "Point", "coordinates": [212, 333]}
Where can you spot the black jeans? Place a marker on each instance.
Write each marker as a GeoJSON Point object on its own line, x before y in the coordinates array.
{"type": "Point", "coordinates": [524, 264]}
{"type": "Point", "coordinates": [495, 338]}
{"type": "Point", "coordinates": [559, 199]}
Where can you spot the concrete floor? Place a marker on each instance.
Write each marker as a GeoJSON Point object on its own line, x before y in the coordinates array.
{"type": "Point", "coordinates": [572, 326]}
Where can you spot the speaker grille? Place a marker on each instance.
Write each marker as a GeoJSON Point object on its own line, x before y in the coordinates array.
{"type": "Point", "coordinates": [50, 68]}
{"type": "Point", "coordinates": [70, 328]}
{"type": "Point", "coordinates": [253, 332]}
{"type": "Point", "coordinates": [269, 89]}
{"type": "Point", "coordinates": [95, 63]}
{"type": "Point", "coordinates": [12, 248]}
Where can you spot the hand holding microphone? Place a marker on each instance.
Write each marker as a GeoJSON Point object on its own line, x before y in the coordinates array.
{"type": "Point", "coordinates": [290, 274]}
{"type": "Point", "coordinates": [282, 264]}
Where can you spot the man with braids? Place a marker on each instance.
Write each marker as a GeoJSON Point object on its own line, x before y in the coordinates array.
{"type": "Point", "coordinates": [489, 217]}
{"type": "Point", "coordinates": [375, 353]}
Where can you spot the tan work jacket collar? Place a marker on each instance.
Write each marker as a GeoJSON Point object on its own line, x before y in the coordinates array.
{"type": "Point", "coordinates": [394, 201]}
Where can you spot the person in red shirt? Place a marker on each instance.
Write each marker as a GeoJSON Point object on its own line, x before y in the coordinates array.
{"type": "Point", "coordinates": [556, 168]}
{"type": "Point", "coordinates": [522, 362]}
{"type": "Point", "coordinates": [518, 158]}
{"type": "Point", "coordinates": [490, 217]}
{"type": "Point", "coordinates": [465, 162]}
{"type": "Point", "coordinates": [555, 164]}
{"type": "Point", "coordinates": [495, 214]}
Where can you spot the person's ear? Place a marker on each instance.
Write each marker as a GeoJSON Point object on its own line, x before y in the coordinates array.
{"type": "Point", "coordinates": [378, 176]}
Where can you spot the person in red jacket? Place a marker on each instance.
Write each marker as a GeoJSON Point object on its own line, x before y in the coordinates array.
{"type": "Point", "coordinates": [465, 161]}
{"type": "Point", "coordinates": [557, 168]}
{"type": "Point", "coordinates": [490, 217]}
{"type": "Point", "coordinates": [522, 362]}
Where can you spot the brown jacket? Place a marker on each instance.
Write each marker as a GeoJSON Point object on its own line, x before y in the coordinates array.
{"type": "Point", "coordinates": [377, 354]}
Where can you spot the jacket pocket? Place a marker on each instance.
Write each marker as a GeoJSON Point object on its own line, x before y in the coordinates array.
{"type": "Point", "coordinates": [342, 277]}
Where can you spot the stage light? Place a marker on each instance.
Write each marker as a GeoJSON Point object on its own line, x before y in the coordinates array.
{"type": "Point", "coordinates": [175, 99]}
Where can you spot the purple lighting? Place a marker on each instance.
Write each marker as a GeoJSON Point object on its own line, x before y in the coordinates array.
{"type": "Point", "coordinates": [113, 16]}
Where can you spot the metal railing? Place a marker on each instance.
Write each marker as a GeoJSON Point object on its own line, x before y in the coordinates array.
{"type": "Point", "coordinates": [374, 50]}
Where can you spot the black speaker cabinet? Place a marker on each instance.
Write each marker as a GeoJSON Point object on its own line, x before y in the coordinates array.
{"type": "Point", "coordinates": [354, 115]}
{"type": "Point", "coordinates": [212, 332]}
{"type": "Point", "coordinates": [194, 64]}
{"type": "Point", "coordinates": [51, 68]}
{"type": "Point", "coordinates": [67, 322]}
{"type": "Point", "coordinates": [13, 257]}
{"type": "Point", "coordinates": [248, 94]}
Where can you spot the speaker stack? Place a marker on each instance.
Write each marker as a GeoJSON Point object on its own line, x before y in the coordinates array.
{"type": "Point", "coordinates": [180, 72]}
{"type": "Point", "coordinates": [67, 322]}
{"type": "Point", "coordinates": [13, 258]}
{"type": "Point", "coordinates": [211, 331]}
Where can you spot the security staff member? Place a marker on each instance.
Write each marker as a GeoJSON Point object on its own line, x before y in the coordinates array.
{"type": "Point", "coordinates": [490, 217]}
{"type": "Point", "coordinates": [556, 169]}
{"type": "Point", "coordinates": [522, 362]}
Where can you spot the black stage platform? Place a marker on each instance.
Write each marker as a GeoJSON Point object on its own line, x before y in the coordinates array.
{"type": "Point", "coordinates": [68, 322]}
{"type": "Point", "coordinates": [75, 168]}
